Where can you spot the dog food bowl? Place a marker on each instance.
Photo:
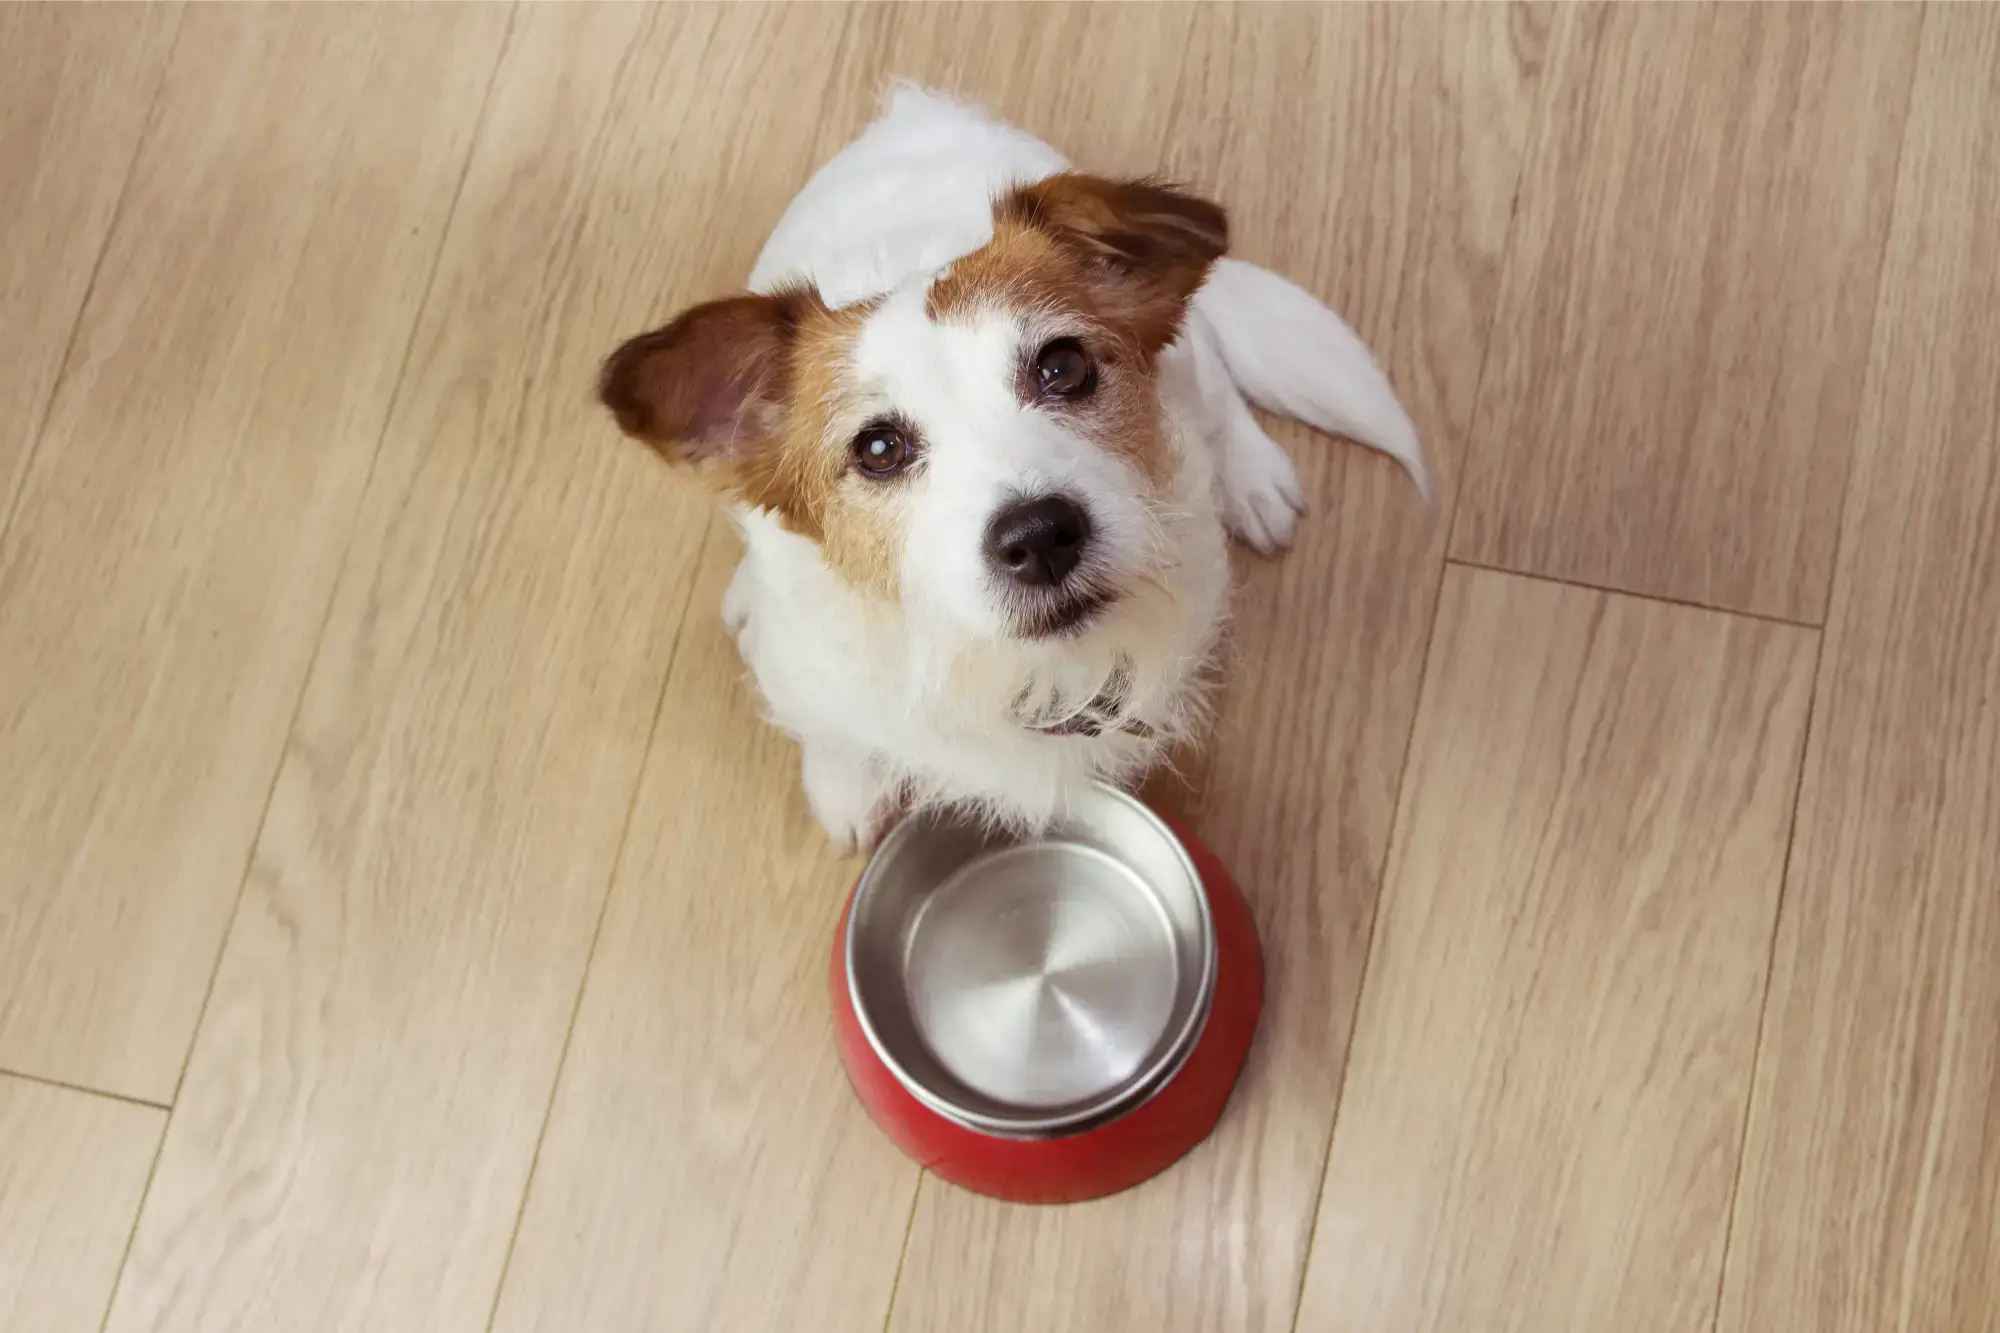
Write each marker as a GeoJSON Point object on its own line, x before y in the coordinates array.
{"type": "Point", "coordinates": [1046, 1020]}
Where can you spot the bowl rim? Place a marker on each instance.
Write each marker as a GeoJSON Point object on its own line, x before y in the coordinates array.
{"type": "Point", "coordinates": [1136, 1090]}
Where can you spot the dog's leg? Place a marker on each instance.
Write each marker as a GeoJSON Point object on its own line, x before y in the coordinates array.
{"type": "Point", "coordinates": [1260, 495]}
{"type": "Point", "coordinates": [854, 801]}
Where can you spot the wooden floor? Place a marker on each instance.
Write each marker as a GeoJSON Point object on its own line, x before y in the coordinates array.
{"type": "Point", "coordinates": [405, 923]}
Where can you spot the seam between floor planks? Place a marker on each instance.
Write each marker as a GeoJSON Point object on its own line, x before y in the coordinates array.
{"type": "Point", "coordinates": [85, 1089]}
{"type": "Point", "coordinates": [1614, 591]}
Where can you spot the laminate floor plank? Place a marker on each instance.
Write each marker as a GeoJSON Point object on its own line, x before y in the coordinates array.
{"type": "Point", "coordinates": [1870, 1197]}
{"type": "Point", "coordinates": [180, 529]}
{"type": "Point", "coordinates": [1540, 1125]}
{"type": "Point", "coordinates": [75, 87]}
{"type": "Point", "coordinates": [72, 1168]}
{"type": "Point", "coordinates": [1671, 405]}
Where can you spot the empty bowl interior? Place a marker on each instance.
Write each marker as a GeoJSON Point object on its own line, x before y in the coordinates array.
{"type": "Point", "coordinates": [1032, 987]}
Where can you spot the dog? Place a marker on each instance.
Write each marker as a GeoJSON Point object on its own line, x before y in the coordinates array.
{"type": "Point", "coordinates": [984, 421]}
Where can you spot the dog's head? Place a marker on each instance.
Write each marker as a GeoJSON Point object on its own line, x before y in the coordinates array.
{"type": "Point", "coordinates": [989, 443]}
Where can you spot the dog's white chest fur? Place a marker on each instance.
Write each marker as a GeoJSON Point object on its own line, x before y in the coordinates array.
{"type": "Point", "coordinates": [900, 700]}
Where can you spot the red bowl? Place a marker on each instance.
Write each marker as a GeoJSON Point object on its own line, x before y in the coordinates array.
{"type": "Point", "coordinates": [1103, 1158]}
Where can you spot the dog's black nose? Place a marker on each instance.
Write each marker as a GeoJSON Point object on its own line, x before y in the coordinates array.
{"type": "Point", "coordinates": [1037, 543]}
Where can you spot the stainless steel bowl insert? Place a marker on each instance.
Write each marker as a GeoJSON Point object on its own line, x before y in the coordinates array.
{"type": "Point", "coordinates": [1032, 988]}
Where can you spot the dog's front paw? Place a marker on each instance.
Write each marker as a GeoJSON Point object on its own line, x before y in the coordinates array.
{"type": "Point", "coordinates": [849, 797]}
{"type": "Point", "coordinates": [1261, 495]}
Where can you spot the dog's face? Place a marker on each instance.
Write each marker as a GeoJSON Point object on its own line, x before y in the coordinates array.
{"type": "Point", "coordinates": [989, 445]}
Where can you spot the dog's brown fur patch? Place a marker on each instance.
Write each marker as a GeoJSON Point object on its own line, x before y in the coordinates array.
{"type": "Point", "coordinates": [807, 473]}
{"type": "Point", "coordinates": [714, 381]}
{"type": "Point", "coordinates": [1119, 258]}
{"type": "Point", "coordinates": [1146, 247]}
{"type": "Point", "coordinates": [794, 471]}
{"type": "Point", "coordinates": [749, 390]}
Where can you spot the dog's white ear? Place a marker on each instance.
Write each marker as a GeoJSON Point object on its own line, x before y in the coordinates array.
{"type": "Point", "coordinates": [1151, 244]}
{"type": "Point", "coordinates": [713, 384]}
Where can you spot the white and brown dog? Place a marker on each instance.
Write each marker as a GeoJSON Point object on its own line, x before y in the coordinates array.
{"type": "Point", "coordinates": [983, 423]}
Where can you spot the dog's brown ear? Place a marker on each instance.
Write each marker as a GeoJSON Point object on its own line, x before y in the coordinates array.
{"type": "Point", "coordinates": [1153, 243]}
{"type": "Point", "coordinates": [714, 383]}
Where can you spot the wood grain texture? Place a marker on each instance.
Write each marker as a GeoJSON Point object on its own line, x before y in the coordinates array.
{"type": "Point", "coordinates": [1367, 152]}
{"type": "Point", "coordinates": [361, 1110]}
{"type": "Point", "coordinates": [72, 1168]}
{"type": "Point", "coordinates": [1870, 1200]}
{"type": "Point", "coordinates": [522, 1021]}
{"type": "Point", "coordinates": [74, 92]}
{"type": "Point", "coordinates": [1671, 406]}
{"type": "Point", "coordinates": [180, 529]}
{"type": "Point", "coordinates": [1541, 1119]}
{"type": "Point", "coordinates": [703, 1072]}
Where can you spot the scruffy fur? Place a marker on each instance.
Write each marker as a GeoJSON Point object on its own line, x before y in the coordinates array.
{"type": "Point", "coordinates": [907, 290]}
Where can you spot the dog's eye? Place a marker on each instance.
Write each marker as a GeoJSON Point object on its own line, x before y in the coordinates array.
{"type": "Point", "coordinates": [882, 451]}
{"type": "Point", "coordinates": [1064, 370]}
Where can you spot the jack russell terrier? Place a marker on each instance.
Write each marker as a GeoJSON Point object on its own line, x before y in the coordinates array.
{"type": "Point", "coordinates": [983, 421]}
